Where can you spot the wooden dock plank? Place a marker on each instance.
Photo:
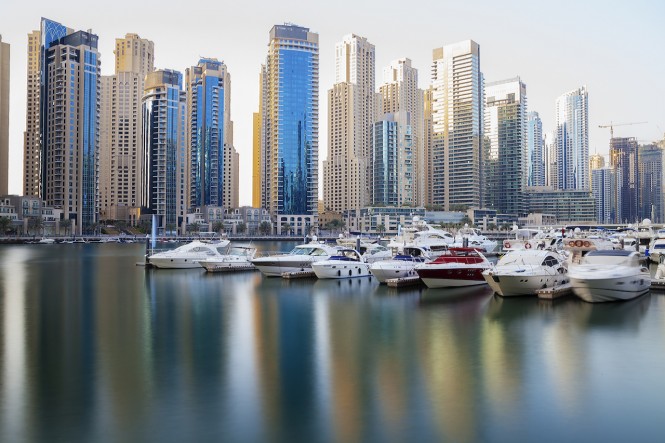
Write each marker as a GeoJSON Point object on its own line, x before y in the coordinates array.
{"type": "Point", "coordinates": [554, 292]}
{"type": "Point", "coordinates": [402, 282]}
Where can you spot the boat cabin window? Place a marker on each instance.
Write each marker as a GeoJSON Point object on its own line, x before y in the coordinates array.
{"type": "Point", "coordinates": [550, 261]}
{"type": "Point", "coordinates": [317, 252]}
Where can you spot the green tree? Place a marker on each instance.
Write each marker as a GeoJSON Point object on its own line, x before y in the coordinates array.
{"type": "Point", "coordinates": [194, 227]}
{"type": "Point", "coordinates": [217, 227]}
{"type": "Point", "coordinates": [381, 229]}
{"type": "Point", "coordinates": [265, 228]}
{"type": "Point", "coordinates": [241, 228]}
{"type": "Point", "coordinates": [5, 224]}
{"type": "Point", "coordinates": [66, 224]}
{"type": "Point", "coordinates": [35, 224]}
{"type": "Point", "coordinates": [491, 227]}
{"type": "Point", "coordinates": [170, 227]}
{"type": "Point", "coordinates": [287, 227]}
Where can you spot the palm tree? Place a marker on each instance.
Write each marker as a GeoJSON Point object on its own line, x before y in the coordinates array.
{"type": "Point", "coordinates": [194, 227]}
{"type": "Point", "coordinates": [287, 227]}
{"type": "Point", "coordinates": [67, 224]}
{"type": "Point", "coordinates": [35, 224]}
{"type": "Point", "coordinates": [265, 228]}
{"type": "Point", "coordinates": [217, 226]}
{"type": "Point", "coordinates": [5, 223]}
{"type": "Point", "coordinates": [381, 229]}
{"type": "Point", "coordinates": [241, 228]}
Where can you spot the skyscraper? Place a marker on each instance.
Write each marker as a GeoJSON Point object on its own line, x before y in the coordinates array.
{"type": "Point", "coordinates": [4, 117]}
{"type": "Point", "coordinates": [32, 147]}
{"type": "Point", "coordinates": [535, 146]}
{"type": "Point", "coordinates": [604, 182]}
{"type": "Point", "coordinates": [505, 146]}
{"type": "Point", "coordinates": [165, 177]}
{"type": "Point", "coordinates": [403, 101]}
{"type": "Point", "coordinates": [69, 122]}
{"type": "Point", "coordinates": [210, 132]}
{"type": "Point", "coordinates": [121, 127]}
{"type": "Point", "coordinates": [651, 179]}
{"type": "Point", "coordinates": [624, 157]}
{"type": "Point", "coordinates": [457, 114]}
{"type": "Point", "coordinates": [290, 126]}
{"type": "Point", "coordinates": [596, 161]}
{"type": "Point", "coordinates": [351, 109]}
{"type": "Point", "coordinates": [549, 159]}
{"type": "Point", "coordinates": [572, 139]}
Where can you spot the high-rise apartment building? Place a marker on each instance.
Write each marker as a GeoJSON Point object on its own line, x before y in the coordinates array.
{"type": "Point", "coordinates": [32, 147]}
{"type": "Point", "coordinates": [651, 179]}
{"type": "Point", "coordinates": [550, 161]}
{"type": "Point", "coordinates": [351, 109]}
{"type": "Point", "coordinates": [290, 128]}
{"type": "Point", "coordinates": [392, 170]}
{"type": "Point", "coordinates": [624, 157]}
{"type": "Point", "coordinates": [69, 122]}
{"type": "Point", "coordinates": [4, 117]}
{"type": "Point", "coordinates": [457, 115]}
{"type": "Point", "coordinates": [403, 100]}
{"type": "Point", "coordinates": [165, 178]}
{"type": "Point", "coordinates": [210, 132]}
{"type": "Point", "coordinates": [505, 146]}
{"type": "Point", "coordinates": [604, 187]}
{"type": "Point", "coordinates": [596, 161]}
{"type": "Point", "coordinates": [534, 151]}
{"type": "Point", "coordinates": [572, 139]}
{"type": "Point", "coordinates": [427, 145]}
{"type": "Point", "coordinates": [121, 127]}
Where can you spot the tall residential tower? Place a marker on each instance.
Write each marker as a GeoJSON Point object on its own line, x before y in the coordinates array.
{"type": "Point", "coordinates": [572, 139]}
{"type": "Point", "coordinates": [4, 117]}
{"type": "Point", "coordinates": [290, 128]}
{"type": "Point", "coordinates": [457, 115]}
{"type": "Point", "coordinates": [534, 151]}
{"type": "Point", "coordinates": [351, 109]}
{"type": "Point", "coordinates": [121, 128]}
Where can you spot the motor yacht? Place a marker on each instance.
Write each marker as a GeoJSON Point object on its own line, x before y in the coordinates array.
{"type": "Point", "coordinates": [235, 258]}
{"type": "Point", "coordinates": [401, 265]}
{"type": "Point", "coordinates": [299, 259]}
{"type": "Point", "coordinates": [657, 247]}
{"type": "Point", "coordinates": [472, 238]}
{"type": "Point", "coordinates": [523, 272]}
{"type": "Point", "coordinates": [609, 276]}
{"type": "Point", "coordinates": [460, 267]}
{"type": "Point", "coordinates": [188, 256]}
{"type": "Point", "coordinates": [422, 234]}
{"type": "Point", "coordinates": [346, 263]}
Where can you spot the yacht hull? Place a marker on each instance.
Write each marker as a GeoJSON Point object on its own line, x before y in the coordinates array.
{"type": "Point", "coordinates": [507, 285]}
{"type": "Point", "coordinates": [338, 269]}
{"type": "Point", "coordinates": [599, 290]}
{"type": "Point", "coordinates": [385, 271]}
{"type": "Point", "coordinates": [451, 277]}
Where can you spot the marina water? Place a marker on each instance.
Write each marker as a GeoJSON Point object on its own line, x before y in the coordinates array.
{"type": "Point", "coordinates": [95, 348]}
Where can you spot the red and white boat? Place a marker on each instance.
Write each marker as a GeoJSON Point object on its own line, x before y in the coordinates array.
{"type": "Point", "coordinates": [460, 267]}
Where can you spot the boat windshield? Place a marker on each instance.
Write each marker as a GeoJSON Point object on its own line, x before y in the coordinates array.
{"type": "Point", "coordinates": [308, 251]}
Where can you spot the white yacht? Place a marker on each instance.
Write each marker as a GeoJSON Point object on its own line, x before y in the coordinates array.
{"type": "Point", "coordinates": [473, 239]}
{"type": "Point", "coordinates": [609, 276]}
{"type": "Point", "coordinates": [422, 234]}
{"type": "Point", "coordinates": [235, 258]}
{"type": "Point", "coordinates": [460, 267]}
{"type": "Point", "coordinates": [657, 247]}
{"type": "Point", "coordinates": [524, 271]}
{"type": "Point", "coordinates": [346, 263]}
{"type": "Point", "coordinates": [401, 265]}
{"type": "Point", "coordinates": [299, 259]}
{"type": "Point", "coordinates": [189, 255]}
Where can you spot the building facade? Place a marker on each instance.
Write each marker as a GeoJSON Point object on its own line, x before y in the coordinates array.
{"type": "Point", "coordinates": [351, 108]}
{"type": "Point", "coordinates": [624, 157]}
{"type": "Point", "coordinates": [652, 194]}
{"type": "Point", "coordinates": [572, 139]}
{"type": "Point", "coordinates": [403, 101]}
{"type": "Point", "coordinates": [457, 115]}
{"type": "Point", "coordinates": [392, 167]}
{"type": "Point", "coordinates": [121, 127]}
{"type": "Point", "coordinates": [504, 157]}
{"type": "Point", "coordinates": [4, 117]}
{"type": "Point", "coordinates": [69, 122]}
{"type": "Point", "coordinates": [290, 128]}
{"type": "Point", "coordinates": [604, 187]}
{"type": "Point", "coordinates": [32, 147]}
{"type": "Point", "coordinates": [535, 175]}
{"type": "Point", "coordinates": [164, 151]}
{"type": "Point", "coordinates": [210, 135]}
{"type": "Point", "coordinates": [550, 161]}
{"type": "Point", "coordinates": [566, 206]}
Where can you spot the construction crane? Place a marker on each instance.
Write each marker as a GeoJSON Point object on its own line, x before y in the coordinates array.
{"type": "Point", "coordinates": [612, 125]}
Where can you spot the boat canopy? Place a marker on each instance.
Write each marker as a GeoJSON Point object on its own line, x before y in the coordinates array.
{"type": "Point", "coordinates": [535, 257]}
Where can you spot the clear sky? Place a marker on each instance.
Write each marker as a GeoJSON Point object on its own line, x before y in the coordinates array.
{"type": "Point", "coordinates": [616, 48]}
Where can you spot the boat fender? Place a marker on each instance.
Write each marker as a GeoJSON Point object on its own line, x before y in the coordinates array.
{"type": "Point", "coordinates": [506, 245]}
{"type": "Point", "coordinates": [527, 245]}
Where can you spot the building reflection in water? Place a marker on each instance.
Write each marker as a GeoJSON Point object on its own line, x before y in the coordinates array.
{"type": "Point", "coordinates": [14, 392]}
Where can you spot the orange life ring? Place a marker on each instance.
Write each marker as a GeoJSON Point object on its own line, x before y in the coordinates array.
{"type": "Point", "coordinates": [578, 243]}
{"type": "Point", "coordinates": [506, 245]}
{"type": "Point", "coordinates": [587, 244]}
{"type": "Point", "coordinates": [571, 243]}
{"type": "Point", "coordinates": [527, 245]}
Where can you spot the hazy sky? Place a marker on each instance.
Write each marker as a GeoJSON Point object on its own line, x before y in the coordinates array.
{"type": "Point", "coordinates": [616, 48]}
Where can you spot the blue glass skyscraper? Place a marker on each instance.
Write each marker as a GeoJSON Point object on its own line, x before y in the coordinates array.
{"type": "Point", "coordinates": [69, 122]}
{"type": "Point", "coordinates": [163, 147]}
{"type": "Point", "coordinates": [208, 97]}
{"type": "Point", "coordinates": [290, 124]}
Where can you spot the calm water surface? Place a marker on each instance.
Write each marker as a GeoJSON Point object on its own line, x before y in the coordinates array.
{"type": "Point", "coordinates": [96, 349]}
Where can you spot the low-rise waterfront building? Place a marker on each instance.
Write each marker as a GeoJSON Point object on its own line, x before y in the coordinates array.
{"type": "Point", "coordinates": [381, 220]}
{"type": "Point", "coordinates": [565, 205]}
